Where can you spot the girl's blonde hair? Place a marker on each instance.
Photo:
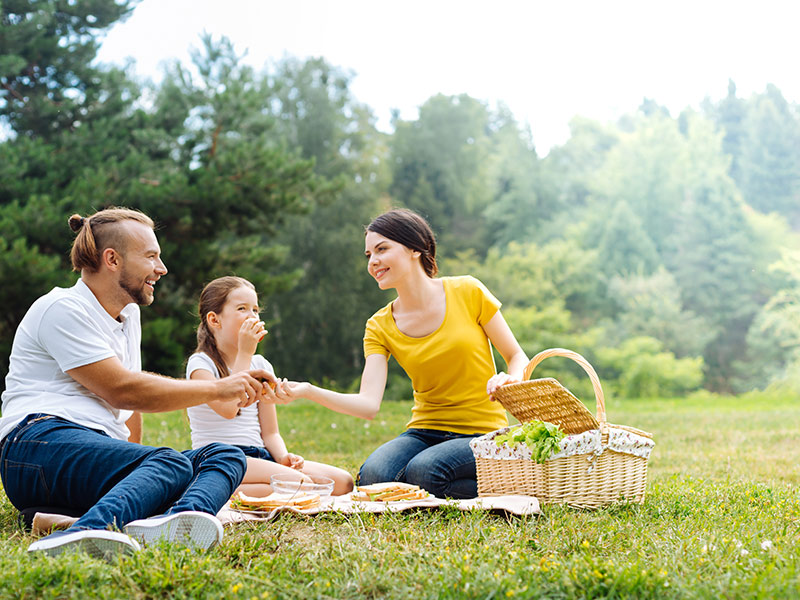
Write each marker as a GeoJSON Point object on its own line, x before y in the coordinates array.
{"type": "Point", "coordinates": [213, 299]}
{"type": "Point", "coordinates": [100, 231]}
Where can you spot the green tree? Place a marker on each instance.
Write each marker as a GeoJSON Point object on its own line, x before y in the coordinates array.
{"type": "Point", "coordinates": [517, 210]}
{"type": "Point", "coordinates": [47, 80]}
{"type": "Point", "coordinates": [730, 115]}
{"type": "Point", "coordinates": [319, 323]}
{"type": "Point", "coordinates": [624, 246]}
{"type": "Point", "coordinates": [651, 306]}
{"type": "Point", "coordinates": [771, 157]}
{"type": "Point", "coordinates": [203, 160]}
{"type": "Point", "coordinates": [440, 168]}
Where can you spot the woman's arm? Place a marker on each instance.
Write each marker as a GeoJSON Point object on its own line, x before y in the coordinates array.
{"type": "Point", "coordinates": [502, 338]}
{"type": "Point", "coordinates": [365, 404]}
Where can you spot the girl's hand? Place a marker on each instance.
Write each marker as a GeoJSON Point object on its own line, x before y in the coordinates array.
{"type": "Point", "coordinates": [293, 461]}
{"type": "Point", "coordinates": [499, 380]}
{"type": "Point", "coordinates": [251, 332]}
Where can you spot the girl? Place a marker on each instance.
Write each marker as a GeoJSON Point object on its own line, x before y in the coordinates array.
{"type": "Point", "coordinates": [440, 330]}
{"type": "Point", "coordinates": [229, 331]}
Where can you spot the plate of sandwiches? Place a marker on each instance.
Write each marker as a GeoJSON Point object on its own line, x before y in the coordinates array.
{"type": "Point", "coordinates": [300, 501]}
{"type": "Point", "coordinates": [389, 492]}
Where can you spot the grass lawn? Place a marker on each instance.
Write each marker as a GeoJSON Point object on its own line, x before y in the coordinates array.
{"type": "Point", "coordinates": [721, 520]}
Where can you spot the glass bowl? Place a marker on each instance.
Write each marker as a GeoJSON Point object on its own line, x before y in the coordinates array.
{"type": "Point", "coordinates": [321, 485]}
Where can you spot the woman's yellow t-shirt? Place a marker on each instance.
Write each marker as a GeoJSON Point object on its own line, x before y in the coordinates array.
{"type": "Point", "coordinates": [448, 368]}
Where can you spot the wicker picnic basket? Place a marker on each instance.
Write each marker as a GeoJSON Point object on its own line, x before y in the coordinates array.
{"type": "Point", "coordinates": [585, 480]}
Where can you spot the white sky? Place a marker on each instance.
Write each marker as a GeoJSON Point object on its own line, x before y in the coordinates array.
{"type": "Point", "coordinates": [548, 61]}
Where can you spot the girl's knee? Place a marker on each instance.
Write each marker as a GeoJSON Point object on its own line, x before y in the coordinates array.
{"type": "Point", "coordinates": [342, 483]}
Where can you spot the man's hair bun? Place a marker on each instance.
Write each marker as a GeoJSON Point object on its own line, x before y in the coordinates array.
{"type": "Point", "coordinates": [76, 222]}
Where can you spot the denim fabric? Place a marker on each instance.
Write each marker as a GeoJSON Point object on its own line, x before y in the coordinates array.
{"type": "Point", "coordinates": [256, 452]}
{"type": "Point", "coordinates": [440, 462]}
{"type": "Point", "coordinates": [47, 460]}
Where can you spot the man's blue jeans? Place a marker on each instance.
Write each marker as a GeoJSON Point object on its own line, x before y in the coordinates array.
{"type": "Point", "coordinates": [50, 461]}
{"type": "Point", "coordinates": [440, 462]}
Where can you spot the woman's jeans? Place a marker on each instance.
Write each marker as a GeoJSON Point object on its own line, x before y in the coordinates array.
{"type": "Point", "coordinates": [50, 461]}
{"type": "Point", "coordinates": [440, 462]}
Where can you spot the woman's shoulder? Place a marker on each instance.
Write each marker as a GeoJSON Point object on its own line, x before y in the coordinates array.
{"type": "Point", "coordinates": [463, 282]}
{"type": "Point", "coordinates": [381, 314]}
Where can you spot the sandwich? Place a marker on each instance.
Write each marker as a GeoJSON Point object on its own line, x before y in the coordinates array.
{"type": "Point", "coordinates": [388, 492]}
{"type": "Point", "coordinates": [299, 500]}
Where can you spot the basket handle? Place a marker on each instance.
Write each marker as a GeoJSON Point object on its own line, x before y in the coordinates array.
{"type": "Point", "coordinates": [598, 390]}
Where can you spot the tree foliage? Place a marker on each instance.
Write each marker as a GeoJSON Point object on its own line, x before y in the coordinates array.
{"type": "Point", "coordinates": [661, 248]}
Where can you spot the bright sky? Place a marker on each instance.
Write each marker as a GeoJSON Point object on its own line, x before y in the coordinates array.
{"type": "Point", "coordinates": [548, 61]}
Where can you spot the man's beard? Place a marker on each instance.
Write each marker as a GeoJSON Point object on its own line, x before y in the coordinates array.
{"type": "Point", "coordinates": [135, 291]}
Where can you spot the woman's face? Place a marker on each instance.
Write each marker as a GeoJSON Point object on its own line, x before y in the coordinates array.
{"type": "Point", "coordinates": [388, 261]}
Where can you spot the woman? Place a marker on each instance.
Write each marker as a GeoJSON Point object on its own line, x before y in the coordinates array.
{"type": "Point", "coordinates": [439, 330]}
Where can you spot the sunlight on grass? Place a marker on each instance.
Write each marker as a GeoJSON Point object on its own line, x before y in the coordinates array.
{"type": "Point", "coordinates": [721, 519]}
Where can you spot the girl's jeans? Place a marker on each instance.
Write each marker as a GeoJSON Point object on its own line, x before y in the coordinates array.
{"type": "Point", "coordinates": [440, 462]}
{"type": "Point", "coordinates": [50, 461]}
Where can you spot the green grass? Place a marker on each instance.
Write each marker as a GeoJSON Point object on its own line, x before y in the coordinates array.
{"type": "Point", "coordinates": [723, 481]}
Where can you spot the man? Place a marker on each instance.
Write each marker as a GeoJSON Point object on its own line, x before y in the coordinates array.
{"type": "Point", "coordinates": [74, 397]}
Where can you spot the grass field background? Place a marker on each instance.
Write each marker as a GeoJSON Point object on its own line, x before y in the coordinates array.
{"type": "Point", "coordinates": [721, 520]}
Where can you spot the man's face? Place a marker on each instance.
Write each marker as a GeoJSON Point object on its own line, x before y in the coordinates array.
{"type": "Point", "coordinates": [142, 266]}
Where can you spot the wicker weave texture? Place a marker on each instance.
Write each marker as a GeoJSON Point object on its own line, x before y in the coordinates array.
{"type": "Point", "coordinates": [546, 400]}
{"type": "Point", "coordinates": [614, 477]}
{"type": "Point", "coordinates": [582, 480]}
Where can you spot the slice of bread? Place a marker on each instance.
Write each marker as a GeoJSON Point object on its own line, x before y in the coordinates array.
{"type": "Point", "coordinates": [388, 492]}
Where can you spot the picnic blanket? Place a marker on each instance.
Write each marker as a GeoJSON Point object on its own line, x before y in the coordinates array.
{"type": "Point", "coordinates": [43, 523]}
{"type": "Point", "coordinates": [512, 504]}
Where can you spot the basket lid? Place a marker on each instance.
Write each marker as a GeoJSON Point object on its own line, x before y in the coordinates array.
{"type": "Point", "coordinates": [546, 400]}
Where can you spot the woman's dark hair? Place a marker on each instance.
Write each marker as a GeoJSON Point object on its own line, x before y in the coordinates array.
{"type": "Point", "coordinates": [213, 299]}
{"type": "Point", "coordinates": [408, 228]}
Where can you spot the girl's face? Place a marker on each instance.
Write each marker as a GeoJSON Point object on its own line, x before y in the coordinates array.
{"type": "Point", "coordinates": [388, 261]}
{"type": "Point", "coordinates": [242, 304]}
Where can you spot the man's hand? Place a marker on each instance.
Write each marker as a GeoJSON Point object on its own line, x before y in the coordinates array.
{"type": "Point", "coordinates": [246, 387]}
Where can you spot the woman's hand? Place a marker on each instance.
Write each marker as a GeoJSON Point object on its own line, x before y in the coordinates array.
{"type": "Point", "coordinates": [279, 394]}
{"type": "Point", "coordinates": [293, 461]}
{"type": "Point", "coordinates": [251, 332]}
{"type": "Point", "coordinates": [499, 380]}
{"type": "Point", "coordinates": [296, 389]}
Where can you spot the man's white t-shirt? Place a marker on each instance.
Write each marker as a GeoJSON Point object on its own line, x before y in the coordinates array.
{"type": "Point", "coordinates": [208, 426]}
{"type": "Point", "coordinates": [65, 329]}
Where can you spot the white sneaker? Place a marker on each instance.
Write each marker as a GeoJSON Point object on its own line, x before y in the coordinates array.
{"type": "Point", "coordinates": [99, 543]}
{"type": "Point", "coordinates": [190, 528]}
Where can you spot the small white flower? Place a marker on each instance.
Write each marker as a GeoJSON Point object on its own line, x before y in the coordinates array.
{"type": "Point", "coordinates": [766, 545]}
{"type": "Point", "coordinates": [366, 425]}
{"type": "Point", "coordinates": [333, 425]}
{"type": "Point", "coordinates": [744, 552]}
{"type": "Point", "coordinates": [738, 544]}
{"type": "Point", "coordinates": [383, 423]}
{"type": "Point", "coordinates": [293, 431]}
